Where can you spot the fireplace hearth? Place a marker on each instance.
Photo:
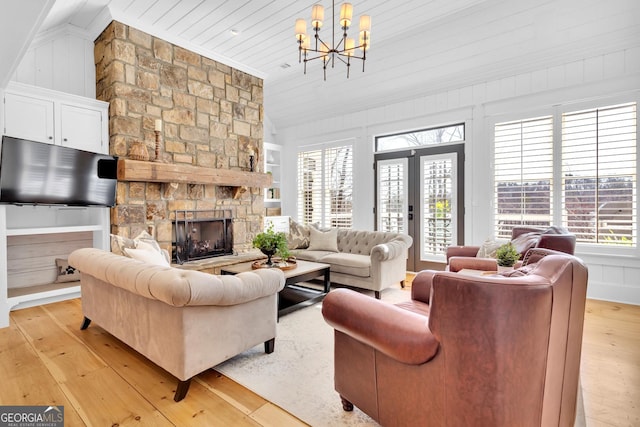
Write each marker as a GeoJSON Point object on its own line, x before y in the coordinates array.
{"type": "Point", "coordinates": [202, 234]}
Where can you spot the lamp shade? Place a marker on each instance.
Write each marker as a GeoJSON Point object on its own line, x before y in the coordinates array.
{"type": "Point", "coordinates": [301, 29]}
{"type": "Point", "coordinates": [317, 16]}
{"type": "Point", "coordinates": [365, 23]}
{"type": "Point", "coordinates": [349, 46]}
{"type": "Point", "coordinates": [346, 12]}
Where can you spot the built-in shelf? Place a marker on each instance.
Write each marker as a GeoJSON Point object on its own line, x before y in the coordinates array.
{"type": "Point", "coordinates": [52, 230]}
{"type": "Point", "coordinates": [141, 171]}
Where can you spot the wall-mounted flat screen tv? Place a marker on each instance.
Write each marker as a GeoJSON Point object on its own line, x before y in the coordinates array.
{"type": "Point", "coordinates": [44, 174]}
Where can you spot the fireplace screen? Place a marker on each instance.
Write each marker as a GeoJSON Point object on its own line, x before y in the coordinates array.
{"type": "Point", "coordinates": [202, 234]}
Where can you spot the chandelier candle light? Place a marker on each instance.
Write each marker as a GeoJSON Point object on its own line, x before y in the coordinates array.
{"type": "Point", "coordinates": [346, 46]}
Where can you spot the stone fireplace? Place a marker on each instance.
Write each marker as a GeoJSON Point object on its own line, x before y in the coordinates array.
{"type": "Point", "coordinates": [211, 117]}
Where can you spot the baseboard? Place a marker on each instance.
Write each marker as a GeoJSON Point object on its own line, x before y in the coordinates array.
{"type": "Point", "coordinates": [614, 293]}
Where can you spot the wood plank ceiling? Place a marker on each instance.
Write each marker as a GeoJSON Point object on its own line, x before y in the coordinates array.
{"type": "Point", "coordinates": [418, 46]}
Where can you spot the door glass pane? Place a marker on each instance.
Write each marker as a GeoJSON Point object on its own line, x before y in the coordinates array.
{"type": "Point", "coordinates": [392, 195]}
{"type": "Point", "coordinates": [421, 138]}
{"type": "Point", "coordinates": [438, 195]}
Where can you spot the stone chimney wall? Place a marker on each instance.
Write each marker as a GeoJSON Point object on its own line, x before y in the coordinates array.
{"type": "Point", "coordinates": [212, 115]}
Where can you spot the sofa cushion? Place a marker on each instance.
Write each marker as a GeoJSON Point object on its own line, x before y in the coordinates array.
{"type": "Point", "coordinates": [353, 264]}
{"type": "Point", "coordinates": [307, 255]}
{"type": "Point", "coordinates": [323, 240]}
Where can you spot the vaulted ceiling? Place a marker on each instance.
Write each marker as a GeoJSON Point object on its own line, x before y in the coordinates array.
{"type": "Point", "coordinates": [418, 46]}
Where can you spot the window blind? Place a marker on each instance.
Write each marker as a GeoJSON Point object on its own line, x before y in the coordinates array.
{"type": "Point", "coordinates": [325, 186]}
{"type": "Point", "coordinates": [523, 174]}
{"type": "Point", "coordinates": [599, 174]}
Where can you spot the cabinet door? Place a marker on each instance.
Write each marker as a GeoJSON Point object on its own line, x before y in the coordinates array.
{"type": "Point", "coordinates": [81, 128]}
{"type": "Point", "coordinates": [28, 118]}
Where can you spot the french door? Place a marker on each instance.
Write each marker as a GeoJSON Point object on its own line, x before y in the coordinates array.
{"type": "Point", "coordinates": [420, 192]}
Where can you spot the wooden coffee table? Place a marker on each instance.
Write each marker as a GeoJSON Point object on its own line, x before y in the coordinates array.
{"type": "Point", "coordinates": [294, 296]}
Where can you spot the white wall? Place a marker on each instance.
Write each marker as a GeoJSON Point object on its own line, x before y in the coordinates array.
{"type": "Point", "coordinates": [614, 76]}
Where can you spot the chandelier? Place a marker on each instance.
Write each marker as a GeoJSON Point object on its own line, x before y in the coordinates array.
{"type": "Point", "coordinates": [344, 50]}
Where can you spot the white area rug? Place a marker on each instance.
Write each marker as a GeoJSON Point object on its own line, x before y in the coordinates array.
{"type": "Point", "coordinates": [298, 375]}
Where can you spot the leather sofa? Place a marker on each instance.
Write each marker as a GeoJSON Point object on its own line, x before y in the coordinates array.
{"type": "Point", "coordinates": [372, 260]}
{"type": "Point", "coordinates": [465, 350]}
{"type": "Point", "coordinates": [523, 239]}
{"type": "Point", "coordinates": [184, 321]}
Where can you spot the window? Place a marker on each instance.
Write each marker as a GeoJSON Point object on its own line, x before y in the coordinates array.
{"type": "Point", "coordinates": [599, 174]}
{"type": "Point", "coordinates": [523, 172]}
{"type": "Point", "coordinates": [439, 135]}
{"type": "Point", "coordinates": [325, 186]}
{"type": "Point", "coordinates": [596, 167]}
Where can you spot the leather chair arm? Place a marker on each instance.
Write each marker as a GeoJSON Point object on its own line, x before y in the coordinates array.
{"type": "Point", "coordinates": [485, 264]}
{"type": "Point", "coordinates": [400, 334]}
{"type": "Point", "coordinates": [468, 251]}
{"type": "Point", "coordinates": [421, 286]}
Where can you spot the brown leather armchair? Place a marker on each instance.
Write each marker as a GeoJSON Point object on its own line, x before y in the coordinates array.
{"type": "Point", "coordinates": [466, 350]}
{"type": "Point", "coordinates": [523, 238]}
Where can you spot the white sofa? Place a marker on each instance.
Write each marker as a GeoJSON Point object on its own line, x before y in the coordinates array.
{"type": "Point", "coordinates": [371, 260]}
{"type": "Point", "coordinates": [182, 320]}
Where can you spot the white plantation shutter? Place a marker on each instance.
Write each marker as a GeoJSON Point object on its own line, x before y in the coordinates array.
{"type": "Point", "coordinates": [392, 195]}
{"type": "Point", "coordinates": [599, 174]}
{"type": "Point", "coordinates": [439, 204]}
{"type": "Point", "coordinates": [325, 186]}
{"type": "Point", "coordinates": [338, 169]}
{"type": "Point", "coordinates": [523, 172]}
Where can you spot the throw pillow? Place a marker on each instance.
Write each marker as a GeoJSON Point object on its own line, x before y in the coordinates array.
{"type": "Point", "coordinates": [525, 241]}
{"type": "Point", "coordinates": [119, 243]}
{"type": "Point", "coordinates": [298, 235]}
{"type": "Point", "coordinates": [66, 273]}
{"type": "Point", "coordinates": [323, 240]}
{"type": "Point", "coordinates": [489, 248]}
{"type": "Point", "coordinates": [147, 253]}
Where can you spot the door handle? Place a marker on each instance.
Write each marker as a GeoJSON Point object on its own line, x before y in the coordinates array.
{"type": "Point", "coordinates": [410, 217]}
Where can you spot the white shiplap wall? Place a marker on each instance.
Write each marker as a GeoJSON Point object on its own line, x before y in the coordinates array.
{"type": "Point", "coordinates": [61, 60]}
{"type": "Point", "coordinates": [607, 78]}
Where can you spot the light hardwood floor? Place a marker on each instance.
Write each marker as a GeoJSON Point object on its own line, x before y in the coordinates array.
{"type": "Point", "coordinates": [46, 360]}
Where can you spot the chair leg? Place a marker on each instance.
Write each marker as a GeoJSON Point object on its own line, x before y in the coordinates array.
{"type": "Point", "coordinates": [85, 323]}
{"type": "Point", "coordinates": [377, 294]}
{"type": "Point", "coordinates": [346, 405]}
{"type": "Point", "coordinates": [181, 390]}
{"type": "Point", "coordinates": [402, 284]}
{"type": "Point", "coordinates": [269, 346]}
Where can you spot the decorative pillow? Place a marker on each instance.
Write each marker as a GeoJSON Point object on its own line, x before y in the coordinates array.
{"type": "Point", "coordinates": [147, 253]}
{"type": "Point", "coordinates": [323, 240]}
{"type": "Point", "coordinates": [298, 235]}
{"type": "Point", "coordinates": [119, 243]}
{"type": "Point", "coordinates": [489, 248]}
{"type": "Point", "coordinates": [525, 241]}
{"type": "Point", "coordinates": [66, 273]}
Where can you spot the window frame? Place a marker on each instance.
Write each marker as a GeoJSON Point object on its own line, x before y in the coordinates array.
{"type": "Point", "coordinates": [323, 148]}
{"type": "Point", "coordinates": [556, 111]}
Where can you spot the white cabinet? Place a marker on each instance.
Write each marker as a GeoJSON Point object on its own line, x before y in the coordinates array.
{"type": "Point", "coordinates": [28, 117]}
{"type": "Point", "coordinates": [33, 237]}
{"type": "Point", "coordinates": [273, 165]}
{"type": "Point", "coordinates": [47, 116]}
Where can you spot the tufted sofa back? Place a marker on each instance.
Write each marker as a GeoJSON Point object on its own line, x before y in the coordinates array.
{"type": "Point", "coordinates": [361, 242]}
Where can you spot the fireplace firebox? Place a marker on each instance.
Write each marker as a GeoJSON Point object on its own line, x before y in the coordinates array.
{"type": "Point", "coordinates": [202, 234]}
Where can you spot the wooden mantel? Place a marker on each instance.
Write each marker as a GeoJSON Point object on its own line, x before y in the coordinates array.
{"type": "Point", "coordinates": [142, 171]}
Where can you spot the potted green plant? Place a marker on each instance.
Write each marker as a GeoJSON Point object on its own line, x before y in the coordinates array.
{"type": "Point", "coordinates": [507, 256]}
{"type": "Point", "coordinates": [272, 243]}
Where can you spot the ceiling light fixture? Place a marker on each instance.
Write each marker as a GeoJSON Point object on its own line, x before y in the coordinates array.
{"type": "Point", "coordinates": [346, 46]}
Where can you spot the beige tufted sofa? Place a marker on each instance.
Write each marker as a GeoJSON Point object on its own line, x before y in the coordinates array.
{"type": "Point", "coordinates": [371, 260]}
{"type": "Point", "coordinates": [184, 321]}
